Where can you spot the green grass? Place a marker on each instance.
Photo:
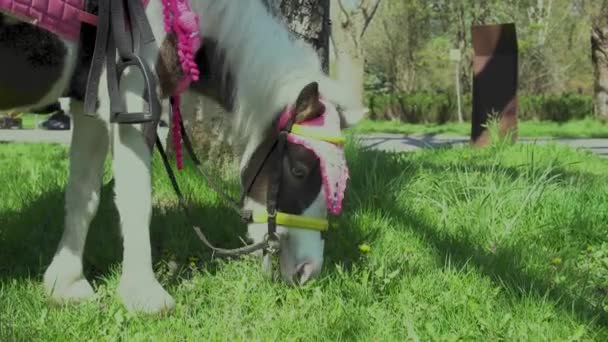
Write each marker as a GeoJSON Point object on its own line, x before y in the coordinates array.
{"type": "Point", "coordinates": [30, 120]}
{"type": "Point", "coordinates": [587, 128]}
{"type": "Point", "coordinates": [504, 243]}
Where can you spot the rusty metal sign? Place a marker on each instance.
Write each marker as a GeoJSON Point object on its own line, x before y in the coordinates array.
{"type": "Point", "coordinates": [495, 76]}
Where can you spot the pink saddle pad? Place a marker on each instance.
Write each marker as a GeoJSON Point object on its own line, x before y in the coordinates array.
{"type": "Point", "coordinates": [62, 17]}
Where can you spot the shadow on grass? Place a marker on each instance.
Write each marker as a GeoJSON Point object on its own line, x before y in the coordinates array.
{"type": "Point", "coordinates": [29, 237]}
{"type": "Point", "coordinates": [505, 266]}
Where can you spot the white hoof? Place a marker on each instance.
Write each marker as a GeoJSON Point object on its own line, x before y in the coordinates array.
{"type": "Point", "coordinates": [64, 282]}
{"type": "Point", "coordinates": [146, 296]}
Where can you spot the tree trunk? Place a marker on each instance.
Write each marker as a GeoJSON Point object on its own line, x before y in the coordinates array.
{"type": "Point", "coordinates": [350, 21]}
{"type": "Point", "coordinates": [349, 62]}
{"type": "Point", "coordinates": [599, 57]}
{"type": "Point", "coordinates": [208, 126]}
{"type": "Point", "coordinates": [307, 20]}
{"type": "Point", "coordinates": [464, 47]}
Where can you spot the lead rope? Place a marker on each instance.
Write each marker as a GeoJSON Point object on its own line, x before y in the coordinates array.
{"type": "Point", "coordinates": [246, 215]}
{"type": "Point", "coordinates": [182, 202]}
{"type": "Point", "coordinates": [180, 20]}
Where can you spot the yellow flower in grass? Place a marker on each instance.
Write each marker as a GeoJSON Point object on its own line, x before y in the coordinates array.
{"type": "Point", "coordinates": [192, 261]}
{"type": "Point", "coordinates": [364, 248]}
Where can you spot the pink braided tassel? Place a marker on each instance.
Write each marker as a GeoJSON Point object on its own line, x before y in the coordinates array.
{"type": "Point", "coordinates": [184, 23]}
{"type": "Point", "coordinates": [167, 16]}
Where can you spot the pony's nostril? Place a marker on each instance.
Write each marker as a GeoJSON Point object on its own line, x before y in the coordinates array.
{"type": "Point", "coordinates": [304, 272]}
{"type": "Point", "coordinates": [297, 275]}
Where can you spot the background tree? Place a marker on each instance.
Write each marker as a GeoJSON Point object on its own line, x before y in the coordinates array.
{"type": "Point", "coordinates": [599, 58]}
{"type": "Point", "coordinates": [407, 47]}
{"type": "Point", "coordinates": [308, 20]}
{"type": "Point", "coordinates": [209, 125]}
{"type": "Point", "coordinates": [350, 21]}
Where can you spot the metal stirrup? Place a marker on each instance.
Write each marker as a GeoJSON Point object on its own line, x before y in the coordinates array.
{"type": "Point", "coordinates": [114, 39]}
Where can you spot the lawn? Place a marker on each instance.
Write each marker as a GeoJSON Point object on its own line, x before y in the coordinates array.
{"type": "Point", "coordinates": [586, 128]}
{"type": "Point", "coordinates": [504, 243]}
{"type": "Point", "coordinates": [30, 120]}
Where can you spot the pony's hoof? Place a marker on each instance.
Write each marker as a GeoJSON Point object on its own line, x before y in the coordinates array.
{"type": "Point", "coordinates": [64, 289]}
{"type": "Point", "coordinates": [146, 296]}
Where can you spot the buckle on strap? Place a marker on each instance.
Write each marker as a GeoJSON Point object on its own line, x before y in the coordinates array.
{"type": "Point", "coordinates": [272, 215]}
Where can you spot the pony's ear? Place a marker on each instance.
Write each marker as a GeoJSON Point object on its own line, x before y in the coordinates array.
{"type": "Point", "coordinates": [351, 117]}
{"type": "Point", "coordinates": [308, 106]}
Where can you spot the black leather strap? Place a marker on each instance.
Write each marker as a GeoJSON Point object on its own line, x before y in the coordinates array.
{"type": "Point", "coordinates": [272, 196]}
{"type": "Point", "coordinates": [112, 38]}
{"type": "Point", "coordinates": [248, 249]}
{"type": "Point", "coordinates": [270, 244]}
{"type": "Point", "coordinates": [246, 215]}
{"type": "Point", "coordinates": [253, 169]}
{"type": "Point", "coordinates": [99, 56]}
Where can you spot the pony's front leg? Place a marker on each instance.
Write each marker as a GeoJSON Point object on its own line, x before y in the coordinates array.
{"type": "Point", "coordinates": [64, 280]}
{"type": "Point", "coordinates": [139, 289]}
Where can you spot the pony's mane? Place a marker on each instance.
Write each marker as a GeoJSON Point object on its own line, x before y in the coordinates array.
{"type": "Point", "coordinates": [270, 67]}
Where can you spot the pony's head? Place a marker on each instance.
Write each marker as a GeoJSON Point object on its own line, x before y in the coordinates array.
{"type": "Point", "coordinates": [303, 178]}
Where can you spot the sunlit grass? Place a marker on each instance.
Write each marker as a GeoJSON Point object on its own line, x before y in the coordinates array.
{"type": "Point", "coordinates": [587, 128]}
{"type": "Point", "coordinates": [504, 243]}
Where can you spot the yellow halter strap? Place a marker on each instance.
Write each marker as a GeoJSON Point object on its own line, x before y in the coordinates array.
{"type": "Point", "coordinates": [293, 221]}
{"type": "Point", "coordinates": [309, 132]}
{"type": "Point", "coordinates": [300, 221]}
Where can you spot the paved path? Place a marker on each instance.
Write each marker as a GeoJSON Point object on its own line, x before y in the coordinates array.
{"type": "Point", "coordinates": [383, 142]}
{"type": "Point", "coordinates": [35, 135]}
{"type": "Point", "coordinates": [44, 136]}
{"type": "Point", "coordinates": [402, 143]}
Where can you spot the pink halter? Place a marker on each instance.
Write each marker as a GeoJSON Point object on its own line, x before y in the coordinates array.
{"type": "Point", "coordinates": [334, 169]}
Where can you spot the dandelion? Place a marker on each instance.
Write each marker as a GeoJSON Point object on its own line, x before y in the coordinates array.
{"type": "Point", "coordinates": [364, 248]}
{"type": "Point", "coordinates": [192, 261]}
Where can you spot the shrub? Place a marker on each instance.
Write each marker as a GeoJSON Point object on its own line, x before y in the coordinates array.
{"type": "Point", "coordinates": [440, 107]}
{"type": "Point", "coordinates": [559, 108]}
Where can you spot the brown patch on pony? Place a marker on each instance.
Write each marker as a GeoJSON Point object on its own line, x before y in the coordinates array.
{"type": "Point", "coordinates": [301, 180]}
{"type": "Point", "coordinates": [168, 67]}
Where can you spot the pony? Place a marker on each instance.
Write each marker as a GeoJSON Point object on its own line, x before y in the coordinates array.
{"type": "Point", "coordinates": [250, 64]}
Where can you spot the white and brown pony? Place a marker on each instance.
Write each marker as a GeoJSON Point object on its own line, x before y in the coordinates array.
{"type": "Point", "coordinates": [250, 64]}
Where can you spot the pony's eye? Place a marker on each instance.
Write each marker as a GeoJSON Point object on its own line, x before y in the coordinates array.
{"type": "Point", "coordinates": [298, 171]}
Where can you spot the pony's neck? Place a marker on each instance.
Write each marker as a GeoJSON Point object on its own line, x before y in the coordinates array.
{"type": "Point", "coordinates": [267, 67]}
{"type": "Point", "coordinates": [263, 65]}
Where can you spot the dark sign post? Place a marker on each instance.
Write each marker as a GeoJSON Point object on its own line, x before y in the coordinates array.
{"type": "Point", "coordinates": [495, 68]}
